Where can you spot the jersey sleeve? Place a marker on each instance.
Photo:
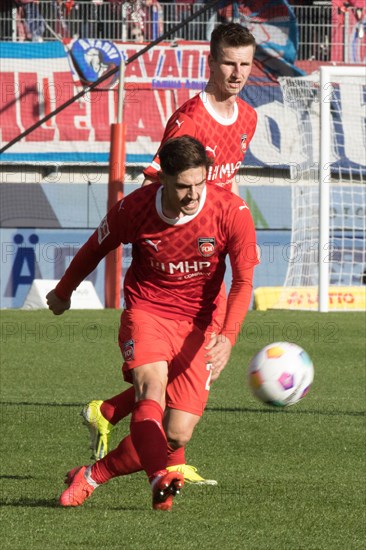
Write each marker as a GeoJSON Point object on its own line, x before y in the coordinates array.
{"type": "Point", "coordinates": [178, 125]}
{"type": "Point", "coordinates": [112, 231]}
{"type": "Point", "coordinates": [243, 254]}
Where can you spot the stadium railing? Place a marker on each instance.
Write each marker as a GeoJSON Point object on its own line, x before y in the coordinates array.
{"type": "Point", "coordinates": [322, 29]}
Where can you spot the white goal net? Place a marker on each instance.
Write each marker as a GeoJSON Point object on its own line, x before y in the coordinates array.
{"type": "Point", "coordinates": [328, 198]}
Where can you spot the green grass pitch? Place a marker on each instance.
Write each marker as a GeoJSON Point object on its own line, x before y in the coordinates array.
{"type": "Point", "coordinates": [288, 479]}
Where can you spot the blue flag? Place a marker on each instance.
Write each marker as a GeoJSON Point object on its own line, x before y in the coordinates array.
{"type": "Point", "coordinates": [274, 27]}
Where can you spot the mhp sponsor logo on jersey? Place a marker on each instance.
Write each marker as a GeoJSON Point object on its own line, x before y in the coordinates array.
{"type": "Point", "coordinates": [128, 350]}
{"type": "Point", "coordinates": [223, 171]}
{"type": "Point", "coordinates": [184, 266]}
{"type": "Point", "coordinates": [206, 246]}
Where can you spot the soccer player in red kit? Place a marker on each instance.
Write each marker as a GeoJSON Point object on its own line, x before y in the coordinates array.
{"type": "Point", "coordinates": [181, 231]}
{"type": "Point", "coordinates": [217, 117]}
{"type": "Point", "coordinates": [225, 125]}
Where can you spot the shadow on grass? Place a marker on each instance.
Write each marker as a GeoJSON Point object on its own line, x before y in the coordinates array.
{"type": "Point", "coordinates": [5, 476]}
{"type": "Point", "coordinates": [31, 503]}
{"type": "Point", "coordinates": [224, 409]}
{"type": "Point", "coordinates": [53, 503]}
{"type": "Point", "coordinates": [285, 410]}
{"type": "Point", "coordinates": [39, 404]}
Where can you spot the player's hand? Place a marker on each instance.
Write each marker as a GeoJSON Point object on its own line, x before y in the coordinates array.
{"type": "Point", "coordinates": [218, 354]}
{"type": "Point", "coordinates": [55, 304]}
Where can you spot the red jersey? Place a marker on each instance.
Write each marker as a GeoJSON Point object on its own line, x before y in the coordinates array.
{"type": "Point", "coordinates": [226, 140]}
{"type": "Point", "coordinates": [177, 265]}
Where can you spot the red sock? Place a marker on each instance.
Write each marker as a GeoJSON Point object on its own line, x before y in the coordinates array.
{"type": "Point", "coordinates": [148, 435]}
{"type": "Point", "coordinates": [175, 456]}
{"type": "Point", "coordinates": [119, 406]}
{"type": "Point", "coordinates": [121, 461]}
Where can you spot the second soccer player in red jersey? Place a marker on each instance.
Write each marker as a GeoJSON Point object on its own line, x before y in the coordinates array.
{"type": "Point", "coordinates": [170, 336]}
{"type": "Point", "coordinates": [217, 117]}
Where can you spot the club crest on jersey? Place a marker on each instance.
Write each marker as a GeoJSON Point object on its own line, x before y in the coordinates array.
{"type": "Point", "coordinates": [103, 230]}
{"type": "Point", "coordinates": [128, 350]}
{"type": "Point", "coordinates": [206, 246]}
{"type": "Point", "coordinates": [243, 143]}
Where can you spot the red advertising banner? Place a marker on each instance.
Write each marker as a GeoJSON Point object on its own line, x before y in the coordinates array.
{"type": "Point", "coordinates": [37, 78]}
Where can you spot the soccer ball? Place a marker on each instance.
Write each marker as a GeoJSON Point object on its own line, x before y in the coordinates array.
{"type": "Point", "coordinates": [280, 374]}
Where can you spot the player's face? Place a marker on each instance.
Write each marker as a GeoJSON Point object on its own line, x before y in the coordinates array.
{"type": "Point", "coordinates": [231, 69]}
{"type": "Point", "coordinates": [182, 193]}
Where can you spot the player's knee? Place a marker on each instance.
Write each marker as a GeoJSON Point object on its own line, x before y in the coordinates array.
{"type": "Point", "coordinates": [150, 382]}
{"type": "Point", "coordinates": [179, 427]}
{"type": "Point", "coordinates": [178, 439]}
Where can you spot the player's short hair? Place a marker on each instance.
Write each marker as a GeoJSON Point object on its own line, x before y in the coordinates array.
{"type": "Point", "coordinates": [182, 153]}
{"type": "Point", "coordinates": [230, 34]}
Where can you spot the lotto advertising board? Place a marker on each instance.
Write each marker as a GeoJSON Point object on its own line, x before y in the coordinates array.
{"type": "Point", "coordinates": [340, 298]}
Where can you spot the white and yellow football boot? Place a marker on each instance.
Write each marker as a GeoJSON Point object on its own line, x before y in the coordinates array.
{"type": "Point", "coordinates": [99, 428]}
{"type": "Point", "coordinates": [190, 475]}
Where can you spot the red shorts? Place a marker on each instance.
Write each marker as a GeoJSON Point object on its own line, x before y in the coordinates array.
{"type": "Point", "coordinates": [146, 338]}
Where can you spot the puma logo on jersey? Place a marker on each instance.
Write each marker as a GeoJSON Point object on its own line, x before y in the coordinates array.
{"type": "Point", "coordinates": [243, 207]}
{"type": "Point", "coordinates": [213, 151]}
{"type": "Point", "coordinates": [179, 123]}
{"type": "Point", "coordinates": [154, 244]}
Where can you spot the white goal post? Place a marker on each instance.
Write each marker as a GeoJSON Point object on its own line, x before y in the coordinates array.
{"type": "Point", "coordinates": [328, 200]}
{"type": "Point", "coordinates": [327, 76]}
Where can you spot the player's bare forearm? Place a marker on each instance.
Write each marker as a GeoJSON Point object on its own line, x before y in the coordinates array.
{"type": "Point", "coordinates": [56, 305]}
{"type": "Point", "coordinates": [218, 354]}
